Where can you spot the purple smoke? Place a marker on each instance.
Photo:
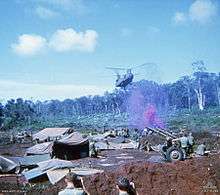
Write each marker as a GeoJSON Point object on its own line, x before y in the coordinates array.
{"type": "Point", "coordinates": [151, 118]}
{"type": "Point", "coordinates": [141, 113]}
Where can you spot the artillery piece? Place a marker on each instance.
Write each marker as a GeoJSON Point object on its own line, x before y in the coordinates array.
{"type": "Point", "coordinates": [172, 150]}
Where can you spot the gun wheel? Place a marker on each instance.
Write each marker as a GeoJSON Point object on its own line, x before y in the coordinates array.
{"type": "Point", "coordinates": [174, 154]}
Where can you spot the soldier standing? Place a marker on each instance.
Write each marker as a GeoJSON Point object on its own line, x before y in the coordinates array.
{"type": "Point", "coordinates": [191, 143]}
{"type": "Point", "coordinates": [12, 139]}
{"type": "Point", "coordinates": [93, 151]}
{"type": "Point", "coordinates": [184, 141]}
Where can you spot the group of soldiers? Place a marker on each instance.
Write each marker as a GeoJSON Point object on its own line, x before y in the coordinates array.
{"type": "Point", "coordinates": [185, 140]}
{"type": "Point", "coordinates": [187, 144]}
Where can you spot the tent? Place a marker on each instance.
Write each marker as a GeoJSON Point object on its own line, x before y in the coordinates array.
{"type": "Point", "coordinates": [56, 175]}
{"type": "Point", "coordinates": [116, 143]}
{"type": "Point", "coordinates": [54, 170]}
{"type": "Point", "coordinates": [39, 174]}
{"type": "Point", "coordinates": [103, 136]}
{"type": "Point", "coordinates": [72, 147]}
{"type": "Point", "coordinates": [7, 165]}
{"type": "Point", "coordinates": [51, 134]}
{"type": "Point", "coordinates": [29, 161]}
{"type": "Point", "coordinates": [38, 149]}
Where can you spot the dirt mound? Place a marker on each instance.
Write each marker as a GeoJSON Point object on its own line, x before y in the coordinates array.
{"type": "Point", "coordinates": [189, 177]}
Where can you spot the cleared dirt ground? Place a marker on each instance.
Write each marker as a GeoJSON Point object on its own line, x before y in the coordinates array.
{"type": "Point", "coordinates": [149, 172]}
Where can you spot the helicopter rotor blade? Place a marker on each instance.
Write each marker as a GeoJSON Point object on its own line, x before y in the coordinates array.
{"type": "Point", "coordinates": [145, 64]}
{"type": "Point", "coordinates": [107, 76]}
{"type": "Point", "coordinates": [115, 68]}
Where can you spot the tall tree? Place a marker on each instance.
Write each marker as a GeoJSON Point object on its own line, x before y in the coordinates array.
{"type": "Point", "coordinates": [199, 70]}
{"type": "Point", "coordinates": [216, 83]}
{"type": "Point", "coordinates": [1, 115]}
{"type": "Point", "coordinates": [187, 83]}
{"type": "Point", "coordinates": [218, 88]}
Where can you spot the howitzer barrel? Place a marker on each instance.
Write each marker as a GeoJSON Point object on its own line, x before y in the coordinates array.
{"type": "Point", "coordinates": [162, 132]}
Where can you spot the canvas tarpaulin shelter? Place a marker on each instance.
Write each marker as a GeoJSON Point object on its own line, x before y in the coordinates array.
{"type": "Point", "coordinates": [114, 146]}
{"type": "Point", "coordinates": [29, 161]}
{"type": "Point", "coordinates": [7, 165]}
{"type": "Point", "coordinates": [43, 148]}
{"type": "Point", "coordinates": [40, 173]}
{"type": "Point", "coordinates": [74, 146]}
{"type": "Point", "coordinates": [54, 170]}
{"type": "Point", "coordinates": [51, 133]}
{"type": "Point", "coordinates": [116, 143]}
{"type": "Point", "coordinates": [56, 175]}
{"type": "Point", "coordinates": [103, 136]}
{"type": "Point", "coordinates": [55, 164]}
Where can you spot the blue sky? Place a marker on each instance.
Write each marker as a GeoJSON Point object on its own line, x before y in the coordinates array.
{"type": "Point", "coordinates": [57, 49]}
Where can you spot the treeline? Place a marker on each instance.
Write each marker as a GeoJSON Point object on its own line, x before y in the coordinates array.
{"type": "Point", "coordinates": [200, 90]}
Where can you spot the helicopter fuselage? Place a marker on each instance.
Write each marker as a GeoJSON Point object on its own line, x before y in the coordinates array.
{"type": "Point", "coordinates": [124, 81]}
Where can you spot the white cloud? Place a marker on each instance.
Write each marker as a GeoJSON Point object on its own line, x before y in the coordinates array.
{"type": "Point", "coordinates": [202, 11]}
{"type": "Point", "coordinates": [45, 13]}
{"type": "Point", "coordinates": [68, 39]}
{"type": "Point", "coordinates": [28, 45]}
{"type": "Point", "coordinates": [12, 89]}
{"type": "Point", "coordinates": [179, 18]}
{"type": "Point", "coordinates": [62, 40]}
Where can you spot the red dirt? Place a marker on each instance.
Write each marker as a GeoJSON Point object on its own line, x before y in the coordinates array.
{"type": "Point", "coordinates": [185, 177]}
{"type": "Point", "coordinates": [181, 178]}
{"type": "Point", "coordinates": [188, 177]}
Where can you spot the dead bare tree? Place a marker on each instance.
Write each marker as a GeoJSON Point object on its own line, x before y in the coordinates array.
{"type": "Point", "coordinates": [199, 70]}
{"type": "Point", "coordinates": [187, 82]}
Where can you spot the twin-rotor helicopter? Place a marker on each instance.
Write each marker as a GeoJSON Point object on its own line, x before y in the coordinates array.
{"type": "Point", "coordinates": [123, 80]}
